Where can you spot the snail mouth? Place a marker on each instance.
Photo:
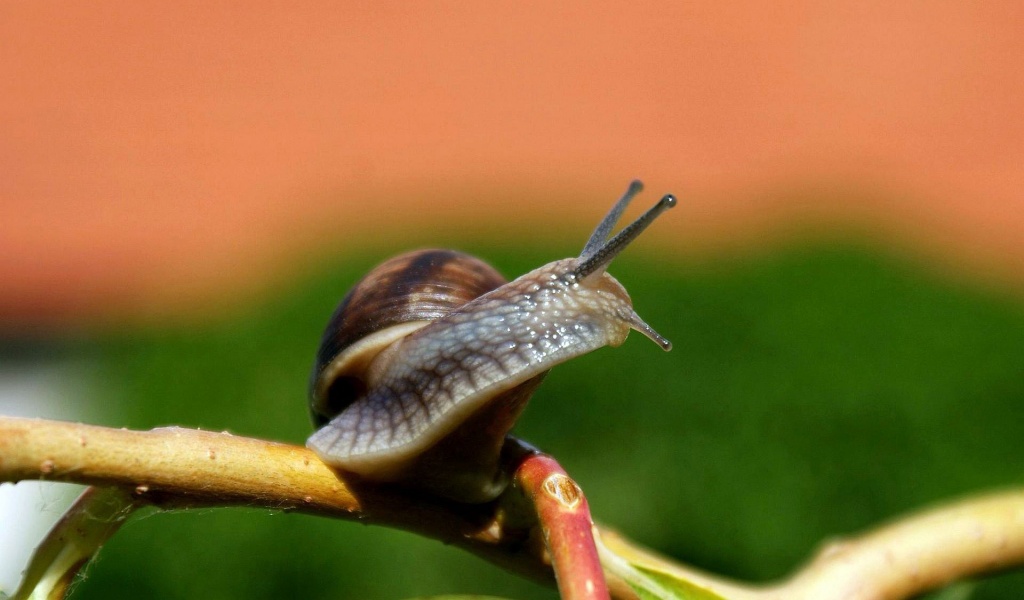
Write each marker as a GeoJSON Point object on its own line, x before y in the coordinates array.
{"type": "Point", "coordinates": [607, 284]}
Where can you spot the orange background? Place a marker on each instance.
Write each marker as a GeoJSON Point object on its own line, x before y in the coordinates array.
{"type": "Point", "coordinates": [155, 156]}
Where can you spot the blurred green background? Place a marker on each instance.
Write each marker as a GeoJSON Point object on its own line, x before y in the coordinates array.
{"type": "Point", "coordinates": [163, 165]}
{"type": "Point", "coordinates": [815, 389]}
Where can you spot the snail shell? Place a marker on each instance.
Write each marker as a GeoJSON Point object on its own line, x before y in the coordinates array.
{"type": "Point", "coordinates": [397, 297]}
{"type": "Point", "coordinates": [430, 359]}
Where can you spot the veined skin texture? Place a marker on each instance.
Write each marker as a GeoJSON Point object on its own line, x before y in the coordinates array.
{"type": "Point", "coordinates": [441, 374]}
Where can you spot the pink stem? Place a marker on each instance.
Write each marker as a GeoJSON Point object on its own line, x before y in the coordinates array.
{"type": "Point", "coordinates": [564, 517]}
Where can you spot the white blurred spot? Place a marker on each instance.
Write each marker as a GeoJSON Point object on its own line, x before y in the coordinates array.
{"type": "Point", "coordinates": [28, 509]}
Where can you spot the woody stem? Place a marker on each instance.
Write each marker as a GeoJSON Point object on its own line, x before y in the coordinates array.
{"type": "Point", "coordinates": [564, 517]}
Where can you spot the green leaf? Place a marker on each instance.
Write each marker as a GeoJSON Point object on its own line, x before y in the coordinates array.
{"type": "Point", "coordinates": [958, 591]}
{"type": "Point", "coordinates": [679, 588]}
{"type": "Point", "coordinates": [459, 597]}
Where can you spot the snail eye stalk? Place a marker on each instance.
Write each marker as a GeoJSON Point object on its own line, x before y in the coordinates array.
{"type": "Point", "coordinates": [599, 252]}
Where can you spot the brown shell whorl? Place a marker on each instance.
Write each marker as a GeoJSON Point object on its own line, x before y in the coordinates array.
{"type": "Point", "coordinates": [422, 285]}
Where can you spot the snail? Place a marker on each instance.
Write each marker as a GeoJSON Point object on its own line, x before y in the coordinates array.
{"type": "Point", "coordinates": [429, 360]}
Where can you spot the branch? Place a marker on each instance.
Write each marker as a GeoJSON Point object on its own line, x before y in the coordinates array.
{"type": "Point", "coordinates": [184, 468]}
{"type": "Point", "coordinates": [176, 468]}
{"type": "Point", "coordinates": [95, 516]}
{"type": "Point", "coordinates": [564, 515]}
{"type": "Point", "coordinates": [925, 551]}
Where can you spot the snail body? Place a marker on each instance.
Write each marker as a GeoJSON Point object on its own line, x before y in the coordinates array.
{"type": "Point", "coordinates": [428, 362]}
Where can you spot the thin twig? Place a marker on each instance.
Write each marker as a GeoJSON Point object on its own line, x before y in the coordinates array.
{"type": "Point", "coordinates": [186, 468]}
{"type": "Point", "coordinates": [95, 516]}
{"type": "Point", "coordinates": [173, 467]}
{"type": "Point", "coordinates": [909, 556]}
{"type": "Point", "coordinates": [564, 515]}
{"type": "Point", "coordinates": [930, 549]}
